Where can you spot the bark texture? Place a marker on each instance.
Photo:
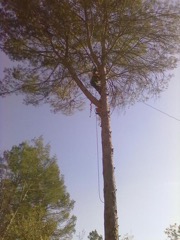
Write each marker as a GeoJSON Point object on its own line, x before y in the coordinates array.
{"type": "Point", "coordinates": [110, 204]}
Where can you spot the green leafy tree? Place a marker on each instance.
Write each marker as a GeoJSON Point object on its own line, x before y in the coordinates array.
{"type": "Point", "coordinates": [56, 44]}
{"type": "Point", "coordinates": [173, 232]}
{"type": "Point", "coordinates": [34, 203]}
{"type": "Point", "coordinates": [94, 236]}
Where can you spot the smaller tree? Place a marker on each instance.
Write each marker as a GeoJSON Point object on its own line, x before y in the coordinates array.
{"type": "Point", "coordinates": [34, 203]}
{"type": "Point", "coordinates": [173, 232]}
{"type": "Point", "coordinates": [95, 236]}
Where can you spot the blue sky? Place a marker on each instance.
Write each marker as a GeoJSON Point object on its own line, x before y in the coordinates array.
{"type": "Point", "coordinates": [146, 156]}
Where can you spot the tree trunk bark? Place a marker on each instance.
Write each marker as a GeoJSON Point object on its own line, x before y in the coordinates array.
{"type": "Point", "coordinates": [110, 204]}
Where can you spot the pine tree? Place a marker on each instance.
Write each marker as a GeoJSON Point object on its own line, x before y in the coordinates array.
{"type": "Point", "coordinates": [94, 236]}
{"type": "Point", "coordinates": [173, 232]}
{"type": "Point", "coordinates": [58, 44]}
{"type": "Point", "coordinates": [33, 197]}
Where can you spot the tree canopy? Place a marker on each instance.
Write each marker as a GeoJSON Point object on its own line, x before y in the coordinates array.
{"type": "Point", "coordinates": [34, 203]}
{"type": "Point", "coordinates": [57, 43]}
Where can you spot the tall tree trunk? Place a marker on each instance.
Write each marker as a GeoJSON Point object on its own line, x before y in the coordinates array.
{"type": "Point", "coordinates": [110, 204]}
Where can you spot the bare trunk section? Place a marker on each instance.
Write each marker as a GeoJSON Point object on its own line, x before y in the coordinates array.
{"type": "Point", "coordinates": [110, 204]}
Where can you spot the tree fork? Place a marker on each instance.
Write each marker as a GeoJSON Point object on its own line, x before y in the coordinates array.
{"type": "Point", "coordinates": [110, 203]}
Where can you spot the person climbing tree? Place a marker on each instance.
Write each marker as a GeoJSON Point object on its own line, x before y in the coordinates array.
{"type": "Point", "coordinates": [95, 80]}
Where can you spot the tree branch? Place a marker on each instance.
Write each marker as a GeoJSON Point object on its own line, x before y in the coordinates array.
{"type": "Point", "coordinates": [82, 87]}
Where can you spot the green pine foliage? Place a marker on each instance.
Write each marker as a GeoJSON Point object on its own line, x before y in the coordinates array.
{"type": "Point", "coordinates": [34, 201]}
{"type": "Point", "coordinates": [94, 236]}
{"type": "Point", "coordinates": [57, 43]}
{"type": "Point", "coordinates": [173, 232]}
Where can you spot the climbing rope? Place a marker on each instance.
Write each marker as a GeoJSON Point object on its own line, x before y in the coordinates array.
{"type": "Point", "coordinates": [97, 149]}
{"type": "Point", "coordinates": [97, 152]}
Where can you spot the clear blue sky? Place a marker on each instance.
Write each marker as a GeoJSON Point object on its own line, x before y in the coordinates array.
{"type": "Point", "coordinates": [146, 154]}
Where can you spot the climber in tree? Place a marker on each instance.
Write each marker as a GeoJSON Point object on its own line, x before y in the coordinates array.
{"type": "Point", "coordinates": [95, 80]}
